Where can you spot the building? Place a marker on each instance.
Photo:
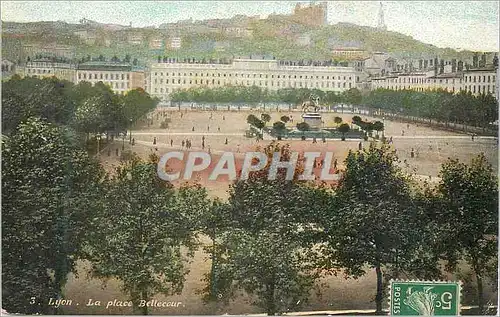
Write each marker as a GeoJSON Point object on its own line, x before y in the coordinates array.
{"type": "Point", "coordinates": [304, 40]}
{"type": "Point", "coordinates": [156, 43]}
{"type": "Point", "coordinates": [7, 66]}
{"type": "Point", "coordinates": [480, 81]}
{"type": "Point", "coordinates": [118, 76]}
{"type": "Point", "coordinates": [175, 43]}
{"type": "Point", "coordinates": [312, 15]}
{"type": "Point", "coordinates": [49, 67]}
{"type": "Point", "coordinates": [349, 53]}
{"type": "Point", "coordinates": [53, 49]}
{"type": "Point", "coordinates": [475, 81]}
{"type": "Point", "coordinates": [135, 39]}
{"type": "Point", "coordinates": [165, 78]}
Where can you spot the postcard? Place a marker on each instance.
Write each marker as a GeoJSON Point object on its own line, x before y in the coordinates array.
{"type": "Point", "coordinates": [250, 157]}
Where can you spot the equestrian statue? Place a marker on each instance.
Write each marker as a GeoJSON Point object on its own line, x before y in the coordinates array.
{"type": "Point", "coordinates": [313, 103]}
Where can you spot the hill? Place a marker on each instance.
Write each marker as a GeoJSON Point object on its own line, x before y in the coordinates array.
{"type": "Point", "coordinates": [275, 36]}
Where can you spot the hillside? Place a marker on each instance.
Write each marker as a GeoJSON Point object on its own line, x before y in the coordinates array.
{"type": "Point", "coordinates": [270, 37]}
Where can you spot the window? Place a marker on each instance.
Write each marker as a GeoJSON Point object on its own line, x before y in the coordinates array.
{"type": "Point", "coordinates": [123, 76]}
{"type": "Point", "coordinates": [79, 75]}
{"type": "Point", "coordinates": [100, 76]}
{"type": "Point", "coordinates": [123, 85]}
{"type": "Point", "coordinates": [111, 76]}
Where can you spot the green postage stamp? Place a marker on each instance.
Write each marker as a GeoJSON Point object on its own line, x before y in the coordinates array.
{"type": "Point", "coordinates": [427, 298]}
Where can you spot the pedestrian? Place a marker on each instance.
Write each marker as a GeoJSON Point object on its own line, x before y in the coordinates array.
{"type": "Point", "coordinates": [412, 154]}
{"type": "Point", "coordinates": [314, 140]}
{"type": "Point", "coordinates": [133, 141]}
{"type": "Point", "coordinates": [360, 146]}
{"type": "Point", "coordinates": [182, 144]}
{"type": "Point", "coordinates": [203, 138]}
{"type": "Point", "coordinates": [209, 149]}
{"type": "Point", "coordinates": [171, 142]}
{"type": "Point", "coordinates": [225, 142]}
{"type": "Point", "coordinates": [181, 115]}
{"type": "Point", "coordinates": [109, 152]}
{"type": "Point", "coordinates": [116, 151]}
{"type": "Point", "coordinates": [472, 136]}
{"type": "Point", "coordinates": [238, 149]}
{"type": "Point", "coordinates": [218, 129]}
{"type": "Point", "coordinates": [208, 128]}
{"type": "Point", "coordinates": [223, 118]}
{"type": "Point", "coordinates": [403, 132]}
{"type": "Point", "coordinates": [154, 141]}
{"type": "Point", "coordinates": [203, 145]}
{"type": "Point", "coordinates": [192, 129]}
{"type": "Point", "coordinates": [335, 164]}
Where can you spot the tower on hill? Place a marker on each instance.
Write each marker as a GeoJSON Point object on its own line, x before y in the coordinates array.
{"type": "Point", "coordinates": [381, 23]}
{"type": "Point", "coordinates": [312, 14]}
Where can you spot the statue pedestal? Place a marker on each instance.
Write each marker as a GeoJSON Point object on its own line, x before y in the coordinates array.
{"type": "Point", "coordinates": [313, 119]}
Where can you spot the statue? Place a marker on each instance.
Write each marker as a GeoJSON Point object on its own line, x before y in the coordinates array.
{"type": "Point", "coordinates": [313, 103]}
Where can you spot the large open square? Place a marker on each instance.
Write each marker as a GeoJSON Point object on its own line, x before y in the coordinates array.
{"type": "Point", "coordinates": [432, 147]}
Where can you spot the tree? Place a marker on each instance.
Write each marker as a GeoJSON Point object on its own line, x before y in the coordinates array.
{"type": "Point", "coordinates": [343, 128]}
{"type": "Point", "coordinates": [378, 126]}
{"type": "Point", "coordinates": [375, 222]}
{"type": "Point", "coordinates": [148, 227]}
{"type": "Point", "coordinates": [278, 128]}
{"type": "Point", "coordinates": [303, 126]}
{"type": "Point", "coordinates": [50, 191]}
{"type": "Point", "coordinates": [264, 247]}
{"type": "Point", "coordinates": [285, 119]}
{"type": "Point", "coordinates": [265, 117]}
{"type": "Point", "coordinates": [48, 98]}
{"type": "Point", "coordinates": [337, 120]}
{"type": "Point", "coordinates": [356, 119]}
{"type": "Point", "coordinates": [467, 215]}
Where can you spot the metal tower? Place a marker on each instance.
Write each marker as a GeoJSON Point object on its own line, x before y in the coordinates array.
{"type": "Point", "coordinates": [381, 24]}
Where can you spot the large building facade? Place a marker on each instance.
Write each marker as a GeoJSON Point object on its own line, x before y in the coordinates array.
{"type": "Point", "coordinates": [165, 78]}
{"type": "Point", "coordinates": [119, 77]}
{"type": "Point", "coordinates": [475, 81]}
{"type": "Point", "coordinates": [43, 68]}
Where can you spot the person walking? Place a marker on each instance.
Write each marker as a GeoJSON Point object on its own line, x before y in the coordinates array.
{"type": "Point", "coordinates": [171, 142]}
{"type": "Point", "coordinates": [154, 141]}
{"type": "Point", "coordinates": [360, 146]}
{"type": "Point", "coordinates": [335, 164]}
{"type": "Point", "coordinates": [182, 144]}
{"type": "Point", "coordinates": [225, 142]}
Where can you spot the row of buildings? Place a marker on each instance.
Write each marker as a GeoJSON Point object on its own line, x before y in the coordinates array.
{"type": "Point", "coordinates": [165, 76]}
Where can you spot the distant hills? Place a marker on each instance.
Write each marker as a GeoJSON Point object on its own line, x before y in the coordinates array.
{"type": "Point", "coordinates": [275, 36]}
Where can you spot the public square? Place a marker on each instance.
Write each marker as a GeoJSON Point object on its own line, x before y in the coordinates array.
{"type": "Point", "coordinates": [431, 147]}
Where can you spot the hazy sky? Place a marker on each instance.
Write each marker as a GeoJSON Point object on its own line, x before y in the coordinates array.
{"type": "Point", "coordinates": [458, 24]}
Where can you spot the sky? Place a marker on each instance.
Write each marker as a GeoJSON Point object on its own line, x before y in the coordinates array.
{"type": "Point", "coordinates": [472, 25]}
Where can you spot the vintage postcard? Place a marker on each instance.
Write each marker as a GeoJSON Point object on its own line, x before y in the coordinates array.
{"type": "Point", "coordinates": [250, 157]}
